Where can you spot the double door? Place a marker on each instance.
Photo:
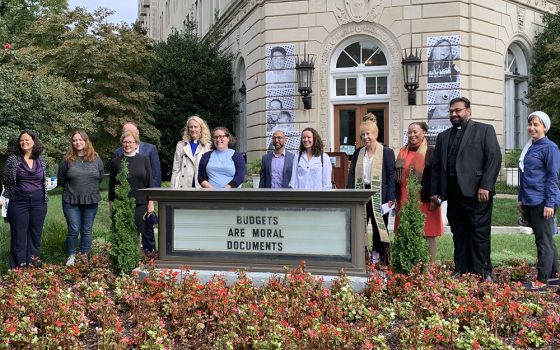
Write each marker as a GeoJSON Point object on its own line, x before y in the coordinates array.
{"type": "Point", "coordinates": [347, 120]}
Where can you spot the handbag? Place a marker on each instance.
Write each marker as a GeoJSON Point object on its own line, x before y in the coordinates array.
{"type": "Point", "coordinates": [4, 202]}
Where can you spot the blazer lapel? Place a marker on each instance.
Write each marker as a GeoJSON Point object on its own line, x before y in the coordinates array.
{"type": "Point", "coordinates": [444, 146]}
{"type": "Point", "coordinates": [471, 125]}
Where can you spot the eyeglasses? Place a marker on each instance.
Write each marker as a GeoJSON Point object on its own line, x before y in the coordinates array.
{"type": "Point", "coordinates": [128, 142]}
{"type": "Point", "coordinates": [220, 137]}
{"type": "Point", "coordinates": [456, 110]}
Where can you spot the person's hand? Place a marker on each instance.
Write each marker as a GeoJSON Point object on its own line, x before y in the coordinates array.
{"type": "Point", "coordinates": [483, 195]}
{"type": "Point", "coordinates": [227, 186]}
{"type": "Point", "coordinates": [390, 203]}
{"type": "Point", "coordinates": [548, 213]}
{"type": "Point", "coordinates": [520, 208]}
{"type": "Point", "coordinates": [435, 199]}
{"type": "Point", "coordinates": [1, 202]}
{"type": "Point", "coordinates": [150, 206]}
{"type": "Point", "coordinates": [432, 206]}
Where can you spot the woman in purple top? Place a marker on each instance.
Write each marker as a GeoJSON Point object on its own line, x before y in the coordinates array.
{"type": "Point", "coordinates": [24, 183]}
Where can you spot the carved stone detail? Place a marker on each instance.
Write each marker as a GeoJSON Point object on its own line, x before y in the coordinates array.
{"type": "Point", "coordinates": [358, 11]}
{"type": "Point", "coordinates": [543, 5]}
{"type": "Point", "coordinates": [242, 11]}
{"type": "Point", "coordinates": [520, 18]}
{"type": "Point", "coordinates": [386, 38]}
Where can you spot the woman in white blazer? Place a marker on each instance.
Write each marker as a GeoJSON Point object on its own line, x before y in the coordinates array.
{"type": "Point", "coordinates": [196, 141]}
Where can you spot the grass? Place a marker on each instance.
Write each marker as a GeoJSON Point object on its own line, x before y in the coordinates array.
{"type": "Point", "coordinates": [505, 247]}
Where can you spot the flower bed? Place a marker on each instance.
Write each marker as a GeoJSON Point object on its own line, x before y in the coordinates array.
{"type": "Point", "coordinates": [87, 306]}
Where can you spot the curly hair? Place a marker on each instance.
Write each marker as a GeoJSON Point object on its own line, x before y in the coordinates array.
{"type": "Point", "coordinates": [37, 149]}
{"type": "Point", "coordinates": [317, 147]}
{"type": "Point", "coordinates": [205, 137]}
{"type": "Point", "coordinates": [89, 152]}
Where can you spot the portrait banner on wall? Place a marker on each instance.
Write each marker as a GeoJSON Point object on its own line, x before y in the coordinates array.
{"type": "Point", "coordinates": [280, 63]}
{"type": "Point", "coordinates": [280, 87]}
{"type": "Point", "coordinates": [443, 51]}
{"type": "Point", "coordinates": [444, 81]}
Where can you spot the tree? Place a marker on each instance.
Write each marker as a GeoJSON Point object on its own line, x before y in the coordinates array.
{"type": "Point", "coordinates": [30, 98]}
{"type": "Point", "coordinates": [544, 87]}
{"type": "Point", "coordinates": [108, 62]}
{"type": "Point", "coordinates": [124, 238]}
{"type": "Point", "coordinates": [17, 15]}
{"type": "Point", "coordinates": [410, 248]}
{"type": "Point", "coordinates": [193, 76]}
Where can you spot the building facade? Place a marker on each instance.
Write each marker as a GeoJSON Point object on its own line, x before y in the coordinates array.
{"type": "Point", "coordinates": [480, 49]}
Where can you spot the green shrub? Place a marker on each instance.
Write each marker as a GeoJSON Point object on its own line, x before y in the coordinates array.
{"type": "Point", "coordinates": [512, 158]}
{"type": "Point", "coordinates": [409, 247]}
{"type": "Point", "coordinates": [124, 239]}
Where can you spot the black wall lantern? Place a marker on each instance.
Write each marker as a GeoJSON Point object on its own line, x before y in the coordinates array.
{"type": "Point", "coordinates": [304, 69]}
{"type": "Point", "coordinates": [411, 73]}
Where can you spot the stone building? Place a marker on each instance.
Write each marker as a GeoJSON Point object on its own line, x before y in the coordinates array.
{"type": "Point", "coordinates": [480, 49]}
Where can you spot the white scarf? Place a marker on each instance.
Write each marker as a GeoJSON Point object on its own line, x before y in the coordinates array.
{"type": "Point", "coordinates": [545, 119]}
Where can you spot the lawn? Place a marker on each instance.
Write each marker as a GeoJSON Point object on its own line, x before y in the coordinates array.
{"type": "Point", "coordinates": [505, 248]}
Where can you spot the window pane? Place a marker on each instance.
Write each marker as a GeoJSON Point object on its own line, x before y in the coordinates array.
{"type": "Point", "coordinates": [354, 51]}
{"type": "Point", "coordinates": [381, 85]}
{"type": "Point", "coordinates": [351, 86]}
{"type": "Point", "coordinates": [344, 61]}
{"type": "Point", "coordinates": [340, 87]}
{"type": "Point", "coordinates": [347, 136]}
{"type": "Point", "coordinates": [371, 85]}
{"type": "Point", "coordinates": [373, 56]}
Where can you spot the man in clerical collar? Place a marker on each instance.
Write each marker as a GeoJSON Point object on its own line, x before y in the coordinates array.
{"type": "Point", "coordinates": [465, 165]}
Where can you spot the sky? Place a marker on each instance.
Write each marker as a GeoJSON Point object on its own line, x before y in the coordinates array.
{"type": "Point", "coordinates": [125, 10]}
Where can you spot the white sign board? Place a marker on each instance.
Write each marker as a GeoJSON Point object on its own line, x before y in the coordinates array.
{"type": "Point", "coordinates": [263, 231]}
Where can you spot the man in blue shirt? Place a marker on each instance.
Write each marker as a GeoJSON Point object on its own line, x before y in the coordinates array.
{"type": "Point", "coordinates": [276, 166]}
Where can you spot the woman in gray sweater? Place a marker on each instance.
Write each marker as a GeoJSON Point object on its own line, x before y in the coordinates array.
{"type": "Point", "coordinates": [80, 174]}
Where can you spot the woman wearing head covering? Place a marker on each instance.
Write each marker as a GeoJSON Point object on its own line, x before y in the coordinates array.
{"type": "Point", "coordinates": [80, 174]}
{"type": "Point", "coordinates": [312, 168]}
{"type": "Point", "coordinates": [24, 178]}
{"type": "Point", "coordinates": [373, 167]}
{"type": "Point", "coordinates": [417, 155]}
{"type": "Point", "coordinates": [441, 68]}
{"type": "Point", "coordinates": [196, 141]}
{"type": "Point", "coordinates": [539, 196]}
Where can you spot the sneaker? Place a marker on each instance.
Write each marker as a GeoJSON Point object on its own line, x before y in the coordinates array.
{"type": "Point", "coordinates": [71, 260]}
{"type": "Point", "coordinates": [536, 286]}
{"type": "Point", "coordinates": [553, 282]}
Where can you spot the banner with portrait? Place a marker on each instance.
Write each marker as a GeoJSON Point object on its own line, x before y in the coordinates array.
{"type": "Point", "coordinates": [444, 81]}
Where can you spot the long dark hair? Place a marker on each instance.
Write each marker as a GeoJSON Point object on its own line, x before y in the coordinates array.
{"type": "Point", "coordinates": [317, 147]}
{"type": "Point", "coordinates": [37, 149]}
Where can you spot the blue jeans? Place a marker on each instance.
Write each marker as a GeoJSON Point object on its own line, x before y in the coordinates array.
{"type": "Point", "coordinates": [79, 218]}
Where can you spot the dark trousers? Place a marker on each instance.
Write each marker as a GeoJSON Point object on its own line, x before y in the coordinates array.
{"type": "Point", "coordinates": [380, 247]}
{"type": "Point", "coordinates": [147, 234]}
{"type": "Point", "coordinates": [26, 214]}
{"type": "Point", "coordinates": [547, 255]}
{"type": "Point", "coordinates": [470, 222]}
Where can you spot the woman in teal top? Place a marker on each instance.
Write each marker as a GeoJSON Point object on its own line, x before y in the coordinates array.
{"type": "Point", "coordinates": [222, 167]}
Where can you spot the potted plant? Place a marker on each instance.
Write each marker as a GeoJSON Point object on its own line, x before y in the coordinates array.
{"type": "Point", "coordinates": [254, 170]}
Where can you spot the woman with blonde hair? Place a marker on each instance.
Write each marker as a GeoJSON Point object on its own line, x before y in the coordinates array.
{"type": "Point", "coordinates": [80, 174]}
{"type": "Point", "coordinates": [196, 141]}
{"type": "Point", "coordinates": [373, 167]}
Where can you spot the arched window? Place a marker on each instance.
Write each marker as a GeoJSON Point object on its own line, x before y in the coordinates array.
{"type": "Point", "coordinates": [514, 97]}
{"type": "Point", "coordinates": [359, 70]}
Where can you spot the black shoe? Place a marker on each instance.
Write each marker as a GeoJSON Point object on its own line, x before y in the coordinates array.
{"type": "Point", "coordinates": [487, 278]}
{"type": "Point", "coordinates": [553, 282]}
